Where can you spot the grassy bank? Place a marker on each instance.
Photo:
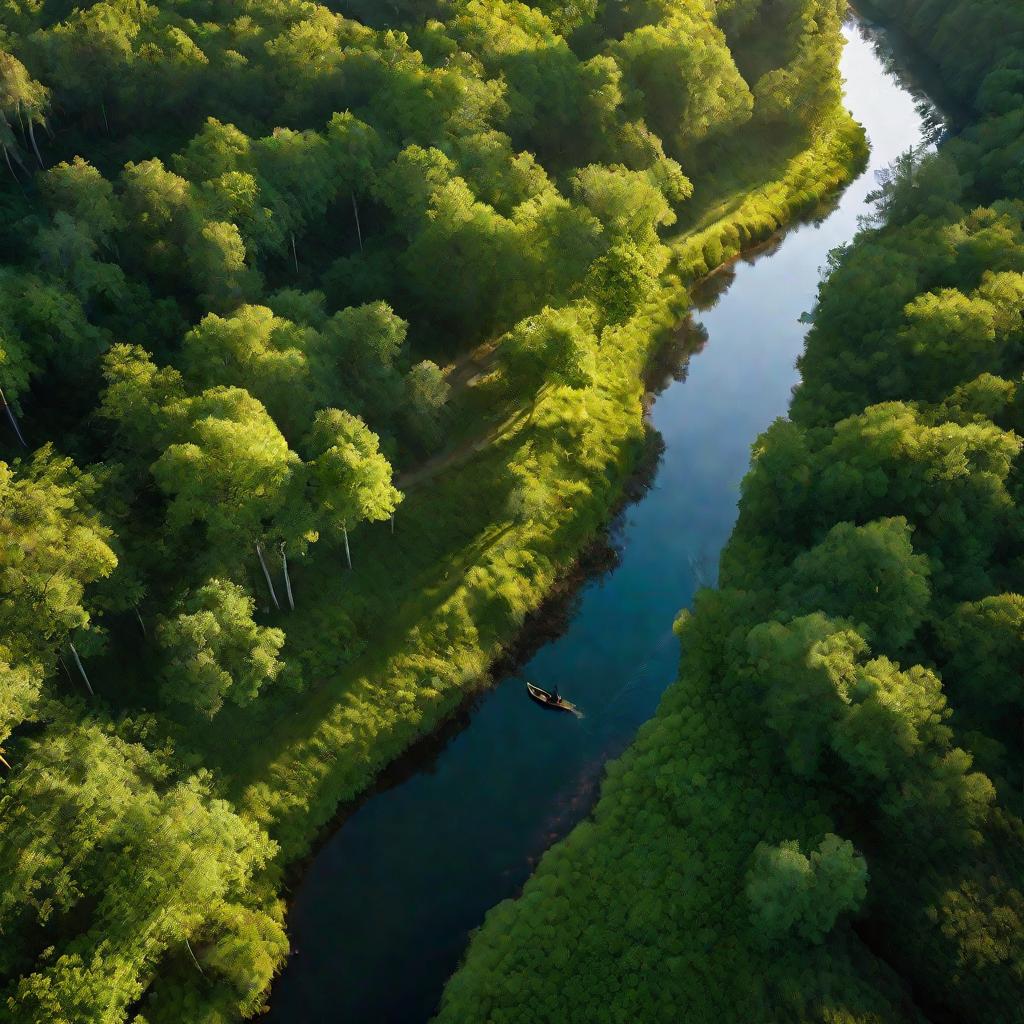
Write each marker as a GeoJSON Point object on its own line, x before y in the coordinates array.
{"type": "Point", "coordinates": [473, 553]}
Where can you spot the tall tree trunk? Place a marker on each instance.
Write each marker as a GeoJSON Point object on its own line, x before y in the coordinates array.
{"type": "Point", "coordinates": [392, 524]}
{"type": "Point", "coordinates": [32, 136]}
{"type": "Point", "coordinates": [287, 578]}
{"type": "Point", "coordinates": [194, 960]}
{"type": "Point", "coordinates": [10, 416]}
{"type": "Point", "coordinates": [266, 573]}
{"type": "Point", "coordinates": [7, 159]}
{"type": "Point", "coordinates": [103, 110]}
{"type": "Point", "coordinates": [295, 255]}
{"type": "Point", "coordinates": [348, 551]}
{"type": "Point", "coordinates": [142, 625]}
{"type": "Point", "coordinates": [359, 229]}
{"type": "Point", "coordinates": [81, 668]}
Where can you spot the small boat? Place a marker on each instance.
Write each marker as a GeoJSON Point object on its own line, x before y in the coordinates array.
{"type": "Point", "coordinates": [547, 700]}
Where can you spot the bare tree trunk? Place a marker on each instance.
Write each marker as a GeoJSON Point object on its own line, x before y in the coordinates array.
{"type": "Point", "coordinates": [295, 255]}
{"type": "Point", "coordinates": [359, 229]}
{"type": "Point", "coordinates": [32, 136]}
{"type": "Point", "coordinates": [194, 960]}
{"type": "Point", "coordinates": [348, 552]}
{"type": "Point", "coordinates": [81, 668]}
{"type": "Point", "coordinates": [103, 110]}
{"type": "Point", "coordinates": [266, 573]}
{"type": "Point", "coordinates": [10, 416]}
{"type": "Point", "coordinates": [392, 524]}
{"type": "Point", "coordinates": [7, 159]}
{"type": "Point", "coordinates": [287, 578]}
{"type": "Point", "coordinates": [142, 625]}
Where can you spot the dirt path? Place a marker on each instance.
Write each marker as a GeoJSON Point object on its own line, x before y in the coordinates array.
{"type": "Point", "coordinates": [445, 460]}
{"type": "Point", "coordinates": [461, 375]}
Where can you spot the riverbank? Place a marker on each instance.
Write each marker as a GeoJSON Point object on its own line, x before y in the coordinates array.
{"type": "Point", "coordinates": [343, 740]}
{"type": "Point", "coordinates": [804, 831]}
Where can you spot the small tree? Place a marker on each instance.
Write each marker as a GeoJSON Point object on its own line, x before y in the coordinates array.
{"type": "Point", "coordinates": [215, 651]}
{"type": "Point", "coordinates": [351, 478]}
{"type": "Point", "coordinates": [555, 346]}
{"type": "Point", "coordinates": [789, 892]}
{"type": "Point", "coordinates": [428, 390]}
{"type": "Point", "coordinates": [619, 282]}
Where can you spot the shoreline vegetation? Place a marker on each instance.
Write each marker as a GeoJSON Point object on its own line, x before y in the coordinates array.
{"type": "Point", "coordinates": [612, 464]}
{"type": "Point", "coordinates": [219, 347]}
{"type": "Point", "coordinates": [840, 155]}
{"type": "Point", "coordinates": [823, 821]}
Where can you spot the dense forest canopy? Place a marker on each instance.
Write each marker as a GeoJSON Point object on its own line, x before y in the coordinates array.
{"type": "Point", "coordinates": [824, 820]}
{"type": "Point", "coordinates": [239, 244]}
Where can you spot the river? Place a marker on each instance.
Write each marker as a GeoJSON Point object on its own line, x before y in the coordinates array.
{"type": "Point", "coordinates": [383, 911]}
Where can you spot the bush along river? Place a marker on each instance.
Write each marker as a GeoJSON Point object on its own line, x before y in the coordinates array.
{"type": "Point", "coordinates": [383, 910]}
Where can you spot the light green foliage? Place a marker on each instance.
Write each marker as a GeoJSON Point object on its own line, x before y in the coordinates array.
{"type": "Point", "coordinates": [22, 99]}
{"type": "Point", "coordinates": [554, 346]}
{"type": "Point", "coordinates": [214, 651]}
{"type": "Point", "coordinates": [683, 69]}
{"type": "Point", "coordinates": [428, 392]}
{"type": "Point", "coordinates": [20, 686]}
{"type": "Point", "coordinates": [351, 479]}
{"type": "Point", "coordinates": [80, 191]}
{"type": "Point", "coordinates": [628, 204]}
{"type": "Point", "coordinates": [620, 281]}
{"type": "Point", "coordinates": [267, 355]}
{"type": "Point", "coordinates": [232, 471]}
{"type": "Point", "coordinates": [175, 864]}
{"type": "Point", "coordinates": [53, 546]}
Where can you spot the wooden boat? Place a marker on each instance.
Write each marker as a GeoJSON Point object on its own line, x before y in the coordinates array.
{"type": "Point", "coordinates": [545, 699]}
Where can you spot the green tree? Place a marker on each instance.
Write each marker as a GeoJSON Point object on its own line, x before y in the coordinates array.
{"type": "Point", "coordinates": [791, 893]}
{"type": "Point", "coordinates": [267, 355]}
{"type": "Point", "coordinates": [620, 281]}
{"type": "Point", "coordinates": [232, 471]}
{"type": "Point", "coordinates": [869, 574]}
{"type": "Point", "coordinates": [983, 642]}
{"type": "Point", "coordinates": [54, 546]}
{"type": "Point", "coordinates": [214, 651]}
{"type": "Point", "coordinates": [23, 101]}
{"type": "Point", "coordinates": [428, 391]}
{"type": "Point", "coordinates": [80, 191]}
{"type": "Point", "coordinates": [556, 346]}
{"type": "Point", "coordinates": [351, 479]}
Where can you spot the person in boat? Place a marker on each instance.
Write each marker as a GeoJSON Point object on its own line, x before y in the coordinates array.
{"type": "Point", "coordinates": [554, 695]}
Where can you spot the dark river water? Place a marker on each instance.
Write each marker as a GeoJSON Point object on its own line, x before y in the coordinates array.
{"type": "Point", "coordinates": [383, 911]}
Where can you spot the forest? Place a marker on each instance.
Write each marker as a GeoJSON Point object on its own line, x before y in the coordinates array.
{"type": "Point", "coordinates": [322, 333]}
{"type": "Point", "coordinates": [823, 822]}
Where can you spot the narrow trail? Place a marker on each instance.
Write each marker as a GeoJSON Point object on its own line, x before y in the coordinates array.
{"type": "Point", "coordinates": [456, 456]}
{"type": "Point", "coordinates": [462, 374]}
